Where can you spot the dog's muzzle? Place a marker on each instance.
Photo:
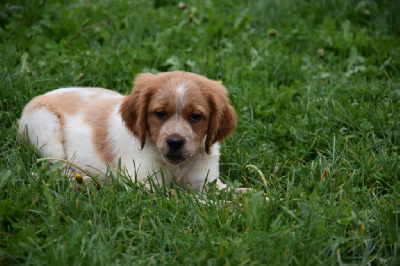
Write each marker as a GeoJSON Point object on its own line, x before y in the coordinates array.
{"type": "Point", "coordinates": [174, 144]}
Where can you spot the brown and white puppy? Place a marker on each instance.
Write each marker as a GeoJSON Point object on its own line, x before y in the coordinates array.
{"type": "Point", "coordinates": [168, 127]}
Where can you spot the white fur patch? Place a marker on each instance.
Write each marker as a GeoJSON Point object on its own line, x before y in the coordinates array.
{"type": "Point", "coordinates": [79, 144]}
{"type": "Point", "coordinates": [180, 97]}
{"type": "Point", "coordinates": [139, 163]}
{"type": "Point", "coordinates": [44, 131]}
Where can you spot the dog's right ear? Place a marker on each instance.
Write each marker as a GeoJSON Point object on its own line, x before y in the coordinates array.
{"type": "Point", "coordinates": [134, 108]}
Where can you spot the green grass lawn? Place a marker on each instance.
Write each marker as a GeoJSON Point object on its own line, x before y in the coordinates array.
{"type": "Point", "coordinates": [316, 87]}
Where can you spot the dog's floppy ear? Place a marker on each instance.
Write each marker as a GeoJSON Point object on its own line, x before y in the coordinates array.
{"type": "Point", "coordinates": [134, 108]}
{"type": "Point", "coordinates": [223, 117]}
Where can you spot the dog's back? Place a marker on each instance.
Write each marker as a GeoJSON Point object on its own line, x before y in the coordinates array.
{"type": "Point", "coordinates": [48, 120]}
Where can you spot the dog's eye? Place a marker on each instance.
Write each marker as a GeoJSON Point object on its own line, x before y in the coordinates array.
{"type": "Point", "coordinates": [194, 118]}
{"type": "Point", "coordinates": [162, 115]}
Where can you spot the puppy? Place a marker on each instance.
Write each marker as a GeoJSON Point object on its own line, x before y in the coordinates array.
{"type": "Point", "coordinates": [169, 127]}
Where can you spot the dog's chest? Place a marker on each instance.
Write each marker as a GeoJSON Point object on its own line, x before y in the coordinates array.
{"type": "Point", "coordinates": [180, 171]}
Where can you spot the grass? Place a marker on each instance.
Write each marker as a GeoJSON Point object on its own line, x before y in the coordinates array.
{"type": "Point", "coordinates": [316, 87]}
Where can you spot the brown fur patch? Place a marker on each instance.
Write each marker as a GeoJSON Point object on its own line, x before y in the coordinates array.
{"type": "Point", "coordinates": [96, 115]}
{"type": "Point", "coordinates": [134, 108]}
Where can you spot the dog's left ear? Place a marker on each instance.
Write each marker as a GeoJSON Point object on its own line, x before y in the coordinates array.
{"type": "Point", "coordinates": [223, 117]}
{"type": "Point", "coordinates": [134, 108]}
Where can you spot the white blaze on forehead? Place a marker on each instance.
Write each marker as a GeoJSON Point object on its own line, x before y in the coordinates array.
{"type": "Point", "coordinates": [180, 97]}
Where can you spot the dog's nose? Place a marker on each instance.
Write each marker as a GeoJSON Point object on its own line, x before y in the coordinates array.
{"type": "Point", "coordinates": [175, 143]}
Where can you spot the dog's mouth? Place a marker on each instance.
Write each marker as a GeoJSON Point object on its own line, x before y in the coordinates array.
{"type": "Point", "coordinates": [174, 158]}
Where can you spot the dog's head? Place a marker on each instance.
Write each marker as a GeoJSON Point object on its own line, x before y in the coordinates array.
{"type": "Point", "coordinates": [178, 109]}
